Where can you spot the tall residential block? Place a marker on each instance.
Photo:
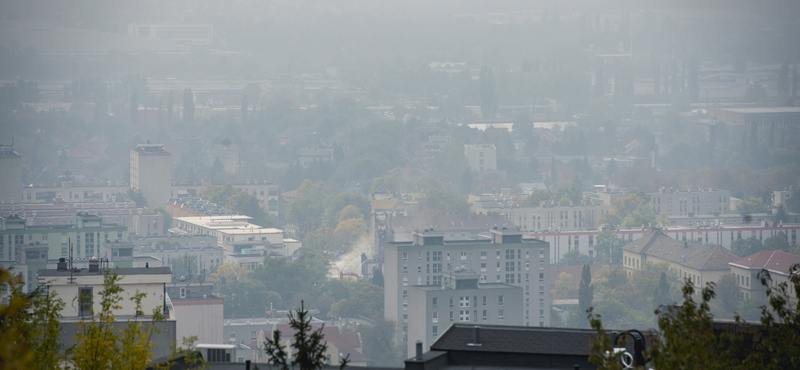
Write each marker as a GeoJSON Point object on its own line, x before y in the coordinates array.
{"type": "Point", "coordinates": [10, 175]}
{"type": "Point", "coordinates": [481, 157]}
{"type": "Point", "coordinates": [505, 258]}
{"type": "Point", "coordinates": [151, 173]}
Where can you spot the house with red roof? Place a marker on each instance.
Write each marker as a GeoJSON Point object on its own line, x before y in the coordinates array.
{"type": "Point", "coordinates": [778, 263]}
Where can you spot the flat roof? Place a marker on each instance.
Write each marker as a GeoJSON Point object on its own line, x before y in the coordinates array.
{"type": "Point", "coordinates": [480, 286]}
{"type": "Point", "coordinates": [121, 271]}
{"type": "Point", "coordinates": [763, 110]}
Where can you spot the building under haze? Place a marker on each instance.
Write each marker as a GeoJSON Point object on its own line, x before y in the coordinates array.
{"type": "Point", "coordinates": [461, 298]}
{"type": "Point", "coordinates": [10, 175]}
{"type": "Point", "coordinates": [504, 258]}
{"type": "Point", "coordinates": [151, 173]}
{"type": "Point", "coordinates": [481, 157]}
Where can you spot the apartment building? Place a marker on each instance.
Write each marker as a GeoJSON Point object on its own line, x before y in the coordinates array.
{"type": "Point", "coordinates": [34, 246]}
{"type": "Point", "coordinates": [481, 157]}
{"type": "Point", "coordinates": [504, 258]}
{"type": "Point", "coordinates": [685, 202]}
{"type": "Point", "coordinates": [554, 217]}
{"type": "Point", "coordinates": [461, 298]}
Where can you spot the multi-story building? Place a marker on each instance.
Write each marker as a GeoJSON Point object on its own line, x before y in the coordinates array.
{"type": "Point", "coordinates": [225, 155]}
{"type": "Point", "coordinates": [189, 34]}
{"type": "Point", "coordinates": [765, 122]}
{"type": "Point", "coordinates": [504, 258]}
{"type": "Point", "coordinates": [461, 298]}
{"type": "Point", "coordinates": [139, 220]}
{"type": "Point", "coordinates": [699, 263]}
{"type": "Point", "coordinates": [68, 192]}
{"type": "Point", "coordinates": [731, 219]}
{"type": "Point", "coordinates": [201, 251]}
{"type": "Point", "coordinates": [11, 180]}
{"type": "Point", "coordinates": [151, 173]}
{"type": "Point", "coordinates": [243, 242]}
{"type": "Point", "coordinates": [81, 289]}
{"type": "Point", "coordinates": [34, 246]}
{"type": "Point", "coordinates": [778, 263]}
{"type": "Point", "coordinates": [268, 194]}
{"type": "Point", "coordinates": [554, 217]}
{"type": "Point", "coordinates": [481, 157]}
{"type": "Point", "coordinates": [684, 202]}
{"type": "Point", "coordinates": [724, 235]}
{"type": "Point", "coordinates": [452, 226]}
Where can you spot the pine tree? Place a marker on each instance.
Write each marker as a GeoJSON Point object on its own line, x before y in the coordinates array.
{"type": "Point", "coordinates": [661, 294]}
{"type": "Point", "coordinates": [377, 276]}
{"type": "Point", "coordinates": [308, 349]}
{"type": "Point", "coordinates": [585, 294]}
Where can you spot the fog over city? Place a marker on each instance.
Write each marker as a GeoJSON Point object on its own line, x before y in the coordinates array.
{"type": "Point", "coordinates": [405, 170]}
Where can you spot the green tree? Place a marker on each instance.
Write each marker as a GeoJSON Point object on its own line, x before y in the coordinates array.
{"type": "Point", "coordinates": [585, 292]}
{"type": "Point", "coordinates": [306, 209]}
{"type": "Point", "coordinates": [753, 205]}
{"type": "Point", "coordinates": [167, 224]}
{"type": "Point", "coordinates": [609, 247]}
{"type": "Point", "coordinates": [248, 298]}
{"type": "Point", "coordinates": [377, 276]}
{"type": "Point", "coordinates": [347, 233]}
{"type": "Point", "coordinates": [574, 258]}
{"type": "Point", "coordinates": [366, 299]}
{"type": "Point", "coordinates": [661, 295]}
{"type": "Point", "coordinates": [308, 347]}
{"type": "Point", "coordinates": [746, 247]}
{"type": "Point", "coordinates": [631, 211]}
{"type": "Point", "coordinates": [350, 212]}
{"type": "Point", "coordinates": [778, 241]}
{"type": "Point", "coordinates": [727, 291]}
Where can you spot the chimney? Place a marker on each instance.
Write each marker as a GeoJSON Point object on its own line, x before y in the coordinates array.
{"type": "Point", "coordinates": [476, 337]}
{"type": "Point", "coordinates": [418, 357]}
{"type": "Point", "coordinates": [94, 264]}
{"type": "Point", "coordinates": [62, 264]}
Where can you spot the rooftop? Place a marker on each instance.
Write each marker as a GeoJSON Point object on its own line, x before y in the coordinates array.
{"type": "Point", "coordinates": [700, 257]}
{"type": "Point", "coordinates": [517, 339]}
{"type": "Point", "coordinates": [772, 260]}
{"type": "Point", "coordinates": [121, 271]}
{"type": "Point", "coordinates": [763, 110]}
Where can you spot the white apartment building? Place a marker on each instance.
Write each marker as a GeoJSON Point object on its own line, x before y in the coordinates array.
{"type": "Point", "coordinates": [461, 298]}
{"type": "Point", "coordinates": [481, 157]}
{"type": "Point", "coordinates": [505, 258]}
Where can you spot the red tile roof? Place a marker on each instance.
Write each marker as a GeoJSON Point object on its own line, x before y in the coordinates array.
{"type": "Point", "coordinates": [772, 260]}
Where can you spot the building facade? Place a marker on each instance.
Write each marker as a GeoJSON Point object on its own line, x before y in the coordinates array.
{"type": "Point", "coordinates": [698, 263]}
{"type": "Point", "coordinates": [460, 299]}
{"type": "Point", "coordinates": [505, 258]}
{"type": "Point", "coordinates": [151, 173]}
{"type": "Point", "coordinates": [481, 157]}
{"type": "Point", "coordinates": [198, 312]}
{"type": "Point", "coordinates": [778, 263]}
{"type": "Point", "coordinates": [11, 179]}
{"type": "Point", "coordinates": [690, 202]}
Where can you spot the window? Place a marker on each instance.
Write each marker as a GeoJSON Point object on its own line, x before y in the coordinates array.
{"type": "Point", "coordinates": [541, 276]}
{"type": "Point", "coordinates": [483, 255]}
{"type": "Point", "coordinates": [463, 256]}
{"type": "Point", "coordinates": [498, 266]}
{"type": "Point", "coordinates": [44, 237]}
{"type": "Point", "coordinates": [218, 354]}
{"type": "Point", "coordinates": [509, 266]}
{"type": "Point", "coordinates": [419, 269]}
{"type": "Point", "coordinates": [451, 302]}
{"type": "Point", "coordinates": [435, 302]}
{"type": "Point", "coordinates": [435, 317]}
{"type": "Point", "coordinates": [437, 256]}
{"type": "Point", "coordinates": [463, 301]}
{"type": "Point", "coordinates": [183, 292]}
{"type": "Point", "coordinates": [405, 294]}
{"type": "Point", "coordinates": [463, 315]}
{"type": "Point", "coordinates": [86, 296]}
{"type": "Point", "coordinates": [435, 331]}
{"type": "Point", "coordinates": [509, 278]}
{"type": "Point", "coordinates": [483, 266]}
{"type": "Point", "coordinates": [509, 254]}
{"type": "Point", "coordinates": [500, 300]}
{"type": "Point", "coordinates": [437, 268]}
{"type": "Point", "coordinates": [484, 315]}
{"type": "Point", "coordinates": [405, 269]}
{"type": "Point", "coordinates": [419, 256]}
{"type": "Point", "coordinates": [451, 315]}
{"type": "Point", "coordinates": [405, 256]}
{"type": "Point", "coordinates": [499, 314]}
{"type": "Point", "coordinates": [252, 335]}
{"type": "Point", "coordinates": [498, 254]}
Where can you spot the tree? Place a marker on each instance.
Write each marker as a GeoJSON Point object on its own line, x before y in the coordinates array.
{"type": "Point", "coordinates": [308, 347]}
{"type": "Point", "coordinates": [609, 247]}
{"type": "Point", "coordinates": [467, 179]}
{"type": "Point", "coordinates": [753, 205]}
{"type": "Point", "coordinates": [377, 276]}
{"type": "Point", "coordinates": [574, 258]}
{"type": "Point", "coordinates": [101, 345]}
{"type": "Point", "coordinates": [248, 298]}
{"type": "Point", "coordinates": [366, 299]}
{"type": "Point", "coordinates": [686, 338]}
{"type": "Point", "coordinates": [778, 241]}
{"type": "Point", "coordinates": [348, 232]}
{"type": "Point", "coordinates": [563, 288]}
{"type": "Point", "coordinates": [661, 294]}
{"type": "Point", "coordinates": [585, 292]}
{"type": "Point", "coordinates": [30, 326]}
{"type": "Point", "coordinates": [746, 247]}
{"type": "Point", "coordinates": [378, 339]}
{"type": "Point", "coordinates": [631, 211]}
{"type": "Point", "coordinates": [167, 223]}
{"type": "Point", "coordinates": [727, 290]}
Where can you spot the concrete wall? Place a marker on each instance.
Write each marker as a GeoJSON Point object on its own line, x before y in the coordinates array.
{"type": "Point", "coordinates": [200, 317]}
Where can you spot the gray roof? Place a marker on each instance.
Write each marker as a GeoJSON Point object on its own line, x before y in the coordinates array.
{"type": "Point", "coordinates": [517, 339]}
{"type": "Point", "coordinates": [700, 257]}
{"type": "Point", "coordinates": [120, 271]}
